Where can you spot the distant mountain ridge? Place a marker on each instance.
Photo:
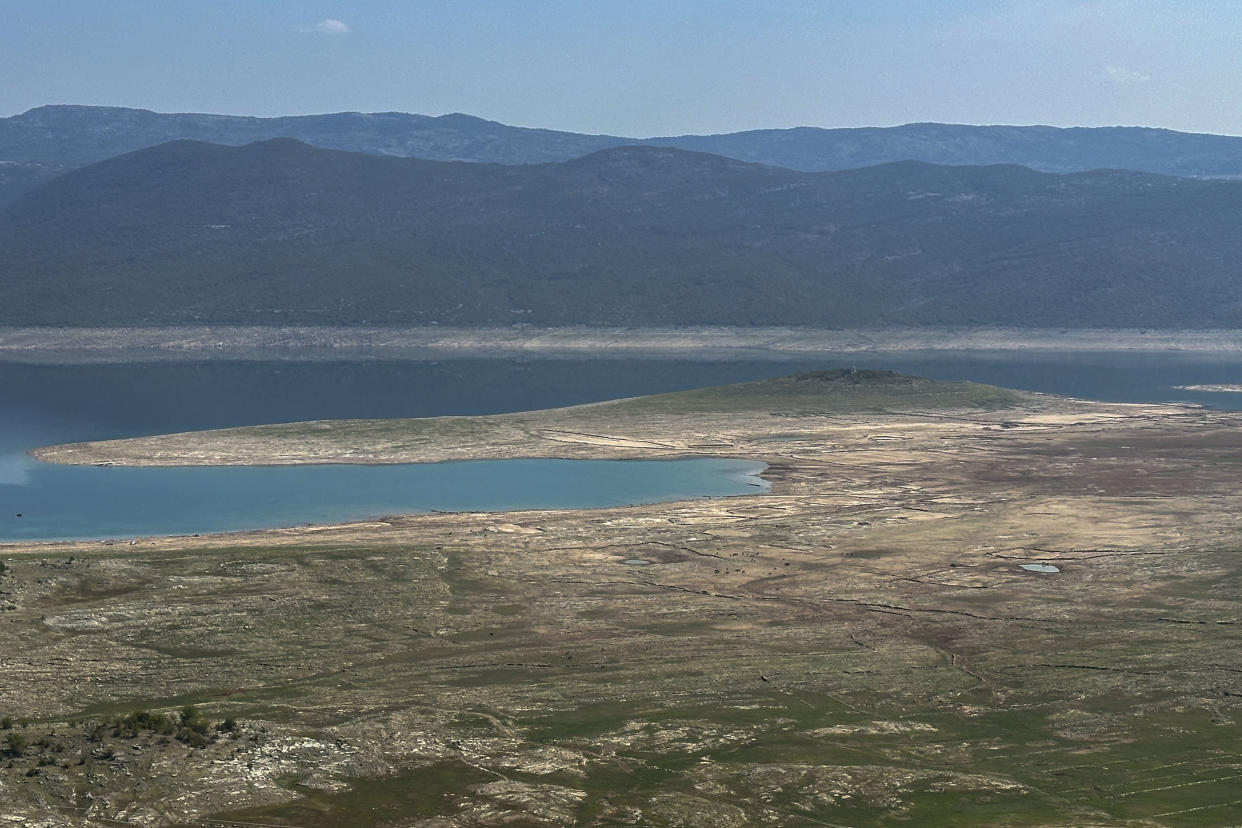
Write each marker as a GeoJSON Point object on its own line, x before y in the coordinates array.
{"type": "Point", "coordinates": [282, 233]}
{"type": "Point", "coordinates": [51, 139]}
{"type": "Point", "coordinates": [79, 135]}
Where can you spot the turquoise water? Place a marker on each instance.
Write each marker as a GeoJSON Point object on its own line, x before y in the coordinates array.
{"type": "Point", "coordinates": [67, 502]}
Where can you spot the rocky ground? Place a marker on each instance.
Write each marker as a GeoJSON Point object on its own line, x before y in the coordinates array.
{"type": "Point", "coordinates": [860, 646]}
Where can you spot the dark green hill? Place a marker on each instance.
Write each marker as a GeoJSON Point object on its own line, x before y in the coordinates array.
{"type": "Point", "coordinates": [282, 233]}
{"type": "Point", "coordinates": [65, 137]}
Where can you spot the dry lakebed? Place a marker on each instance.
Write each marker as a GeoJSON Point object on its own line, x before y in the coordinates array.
{"type": "Point", "coordinates": [957, 605]}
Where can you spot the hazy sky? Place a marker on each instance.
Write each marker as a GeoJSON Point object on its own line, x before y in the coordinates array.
{"type": "Point", "coordinates": [640, 67]}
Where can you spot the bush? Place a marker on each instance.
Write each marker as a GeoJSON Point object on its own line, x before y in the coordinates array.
{"type": "Point", "coordinates": [142, 720]}
{"type": "Point", "coordinates": [193, 738]}
{"type": "Point", "coordinates": [192, 720]}
{"type": "Point", "coordinates": [6, 723]}
{"type": "Point", "coordinates": [15, 744]}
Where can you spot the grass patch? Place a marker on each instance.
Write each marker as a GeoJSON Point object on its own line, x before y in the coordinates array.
{"type": "Point", "coordinates": [838, 391]}
{"type": "Point", "coordinates": [414, 794]}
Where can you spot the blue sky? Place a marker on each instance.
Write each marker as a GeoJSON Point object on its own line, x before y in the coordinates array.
{"type": "Point", "coordinates": [641, 68]}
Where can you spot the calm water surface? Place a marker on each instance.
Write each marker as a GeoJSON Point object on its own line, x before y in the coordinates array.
{"type": "Point", "coordinates": [42, 404]}
{"type": "Point", "coordinates": [62, 502]}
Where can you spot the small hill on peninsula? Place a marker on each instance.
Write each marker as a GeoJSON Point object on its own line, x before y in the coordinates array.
{"type": "Point", "coordinates": [842, 390]}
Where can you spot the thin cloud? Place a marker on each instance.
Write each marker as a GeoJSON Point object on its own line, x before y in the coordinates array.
{"type": "Point", "coordinates": [1118, 74]}
{"type": "Point", "coordinates": [328, 26]}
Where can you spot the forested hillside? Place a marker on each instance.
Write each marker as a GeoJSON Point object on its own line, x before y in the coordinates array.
{"type": "Point", "coordinates": [279, 233]}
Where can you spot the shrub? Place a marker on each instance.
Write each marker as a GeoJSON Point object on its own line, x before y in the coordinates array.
{"type": "Point", "coordinates": [193, 721]}
{"type": "Point", "coordinates": [133, 723]}
{"type": "Point", "coordinates": [15, 744]}
{"type": "Point", "coordinates": [6, 723]}
{"type": "Point", "coordinates": [193, 738]}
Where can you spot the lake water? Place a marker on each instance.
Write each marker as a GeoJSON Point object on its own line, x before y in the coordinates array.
{"type": "Point", "coordinates": [62, 502]}
{"type": "Point", "coordinates": [42, 404]}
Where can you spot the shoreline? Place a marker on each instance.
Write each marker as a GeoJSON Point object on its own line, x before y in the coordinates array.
{"type": "Point", "coordinates": [331, 343]}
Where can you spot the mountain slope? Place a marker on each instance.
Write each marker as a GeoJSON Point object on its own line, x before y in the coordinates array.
{"type": "Point", "coordinates": [1044, 148]}
{"type": "Point", "coordinates": [79, 135]}
{"type": "Point", "coordinates": [281, 233]}
{"type": "Point", "coordinates": [64, 137]}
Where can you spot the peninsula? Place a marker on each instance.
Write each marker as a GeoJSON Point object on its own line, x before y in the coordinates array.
{"type": "Point", "coordinates": [957, 605]}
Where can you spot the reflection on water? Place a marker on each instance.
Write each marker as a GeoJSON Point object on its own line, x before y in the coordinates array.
{"type": "Point", "coordinates": [15, 470]}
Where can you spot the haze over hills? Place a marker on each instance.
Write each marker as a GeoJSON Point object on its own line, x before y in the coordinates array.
{"type": "Point", "coordinates": [50, 139]}
{"type": "Point", "coordinates": [79, 135]}
{"type": "Point", "coordinates": [280, 233]}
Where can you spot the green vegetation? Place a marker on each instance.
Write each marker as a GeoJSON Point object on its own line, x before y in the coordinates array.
{"type": "Point", "coordinates": [188, 726]}
{"type": "Point", "coordinates": [134, 723]}
{"type": "Point", "coordinates": [15, 744]}
{"type": "Point", "coordinates": [835, 391]}
{"type": "Point", "coordinates": [366, 803]}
